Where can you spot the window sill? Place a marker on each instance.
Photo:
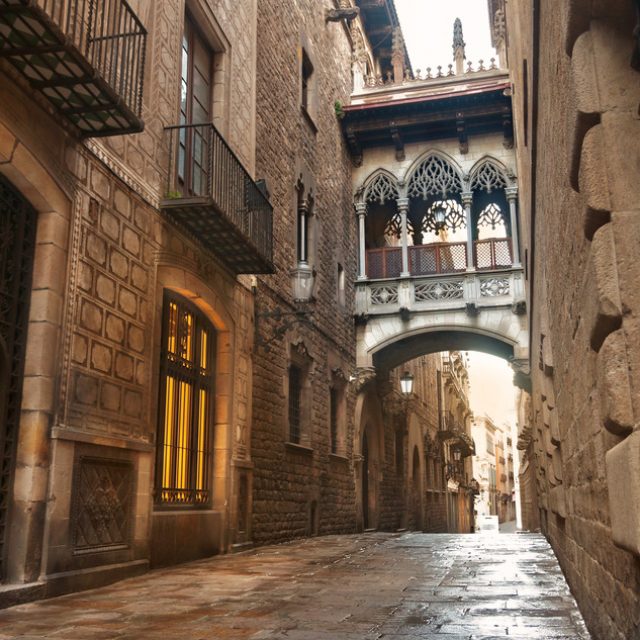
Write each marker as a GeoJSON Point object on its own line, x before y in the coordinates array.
{"type": "Point", "coordinates": [300, 448]}
{"type": "Point", "coordinates": [338, 457]}
{"type": "Point", "coordinates": [309, 119]}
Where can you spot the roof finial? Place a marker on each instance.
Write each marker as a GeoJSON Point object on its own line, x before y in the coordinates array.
{"type": "Point", "coordinates": [458, 46]}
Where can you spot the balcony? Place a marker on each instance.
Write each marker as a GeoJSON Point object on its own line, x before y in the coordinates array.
{"type": "Point", "coordinates": [86, 57]}
{"type": "Point", "coordinates": [212, 197]}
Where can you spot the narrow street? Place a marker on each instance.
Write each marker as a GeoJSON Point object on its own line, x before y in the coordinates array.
{"type": "Point", "coordinates": [369, 586]}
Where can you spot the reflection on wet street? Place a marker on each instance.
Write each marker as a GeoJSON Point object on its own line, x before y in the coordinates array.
{"type": "Point", "coordinates": [369, 586]}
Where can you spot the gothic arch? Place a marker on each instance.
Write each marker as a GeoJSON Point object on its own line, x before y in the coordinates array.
{"type": "Point", "coordinates": [489, 174]}
{"type": "Point", "coordinates": [381, 186]}
{"type": "Point", "coordinates": [434, 174]}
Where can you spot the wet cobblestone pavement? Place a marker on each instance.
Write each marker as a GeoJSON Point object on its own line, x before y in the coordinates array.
{"type": "Point", "coordinates": [369, 586]}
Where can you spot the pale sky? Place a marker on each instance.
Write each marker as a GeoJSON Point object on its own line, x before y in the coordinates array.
{"type": "Point", "coordinates": [492, 391]}
{"type": "Point", "coordinates": [428, 30]}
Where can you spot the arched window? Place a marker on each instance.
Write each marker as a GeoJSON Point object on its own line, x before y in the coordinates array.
{"type": "Point", "coordinates": [185, 429]}
{"type": "Point", "coordinates": [491, 214]}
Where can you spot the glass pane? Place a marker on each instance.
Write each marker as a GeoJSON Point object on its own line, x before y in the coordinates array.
{"type": "Point", "coordinates": [169, 433]}
{"type": "Point", "coordinates": [172, 328]}
{"type": "Point", "coordinates": [202, 441]}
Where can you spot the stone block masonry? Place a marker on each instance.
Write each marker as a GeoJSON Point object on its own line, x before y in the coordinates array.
{"type": "Point", "coordinates": [584, 302]}
{"type": "Point", "coordinates": [299, 491]}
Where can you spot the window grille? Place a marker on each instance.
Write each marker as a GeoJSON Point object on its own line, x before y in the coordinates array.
{"type": "Point", "coordinates": [295, 391]}
{"type": "Point", "coordinates": [186, 412]}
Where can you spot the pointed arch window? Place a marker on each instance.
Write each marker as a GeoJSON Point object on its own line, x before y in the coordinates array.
{"type": "Point", "coordinates": [185, 430]}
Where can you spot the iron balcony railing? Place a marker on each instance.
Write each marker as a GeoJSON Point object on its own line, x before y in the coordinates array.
{"type": "Point", "coordinates": [87, 57]}
{"type": "Point", "coordinates": [213, 196]}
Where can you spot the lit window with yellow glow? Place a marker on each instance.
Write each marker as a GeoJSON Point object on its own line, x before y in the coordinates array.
{"type": "Point", "coordinates": [186, 405]}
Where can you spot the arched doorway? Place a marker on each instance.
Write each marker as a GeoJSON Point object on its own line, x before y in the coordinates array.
{"type": "Point", "coordinates": [17, 242]}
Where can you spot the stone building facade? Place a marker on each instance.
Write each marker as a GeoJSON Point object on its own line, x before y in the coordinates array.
{"type": "Point", "coordinates": [112, 275]}
{"type": "Point", "coordinates": [576, 93]}
{"type": "Point", "coordinates": [161, 399]}
{"type": "Point", "coordinates": [302, 427]}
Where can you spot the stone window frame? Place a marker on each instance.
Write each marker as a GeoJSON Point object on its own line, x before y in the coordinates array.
{"type": "Point", "coordinates": [300, 359]}
{"type": "Point", "coordinates": [341, 285]}
{"type": "Point", "coordinates": [308, 82]}
{"type": "Point", "coordinates": [199, 382]}
{"type": "Point", "coordinates": [193, 286]}
{"type": "Point", "coordinates": [209, 28]}
{"type": "Point", "coordinates": [304, 236]}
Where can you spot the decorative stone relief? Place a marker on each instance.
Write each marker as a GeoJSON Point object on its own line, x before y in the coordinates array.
{"type": "Point", "coordinates": [493, 287]}
{"type": "Point", "coordinates": [440, 290]}
{"type": "Point", "coordinates": [384, 294]}
{"type": "Point", "coordinates": [102, 503]}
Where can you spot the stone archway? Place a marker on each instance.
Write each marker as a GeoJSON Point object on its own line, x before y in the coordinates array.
{"type": "Point", "coordinates": [369, 459]}
{"type": "Point", "coordinates": [17, 247]}
{"type": "Point", "coordinates": [371, 462]}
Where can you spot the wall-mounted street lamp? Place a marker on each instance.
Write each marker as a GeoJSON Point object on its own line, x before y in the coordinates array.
{"type": "Point", "coordinates": [457, 455]}
{"type": "Point", "coordinates": [406, 384]}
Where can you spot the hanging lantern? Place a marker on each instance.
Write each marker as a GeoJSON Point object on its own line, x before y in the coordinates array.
{"type": "Point", "coordinates": [406, 384]}
{"type": "Point", "coordinates": [440, 216]}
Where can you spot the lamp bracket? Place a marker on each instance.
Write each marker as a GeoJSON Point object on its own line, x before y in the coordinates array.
{"type": "Point", "coordinates": [284, 320]}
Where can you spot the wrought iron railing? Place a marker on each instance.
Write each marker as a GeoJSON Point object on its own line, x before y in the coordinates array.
{"type": "Point", "coordinates": [106, 32]}
{"type": "Point", "coordinates": [203, 168]}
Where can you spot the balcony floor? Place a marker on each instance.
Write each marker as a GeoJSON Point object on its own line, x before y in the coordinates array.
{"type": "Point", "coordinates": [201, 218]}
{"type": "Point", "coordinates": [51, 63]}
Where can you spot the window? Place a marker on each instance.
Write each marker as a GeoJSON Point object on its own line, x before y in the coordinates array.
{"type": "Point", "coordinates": [295, 394]}
{"type": "Point", "coordinates": [183, 476]}
{"type": "Point", "coordinates": [333, 418]}
{"type": "Point", "coordinates": [490, 445]}
{"type": "Point", "coordinates": [307, 82]}
{"type": "Point", "coordinates": [341, 284]}
{"type": "Point", "coordinates": [195, 109]}
{"type": "Point", "coordinates": [304, 211]}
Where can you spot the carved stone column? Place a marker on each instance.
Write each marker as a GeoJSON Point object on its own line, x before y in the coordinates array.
{"type": "Point", "coordinates": [512, 196]}
{"type": "Point", "coordinates": [361, 212]}
{"type": "Point", "coordinates": [403, 208]}
{"type": "Point", "coordinates": [467, 199]}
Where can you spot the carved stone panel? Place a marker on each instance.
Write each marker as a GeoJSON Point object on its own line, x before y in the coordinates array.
{"type": "Point", "coordinates": [103, 495]}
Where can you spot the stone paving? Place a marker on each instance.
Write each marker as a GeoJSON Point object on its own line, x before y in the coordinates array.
{"type": "Point", "coordinates": [371, 586]}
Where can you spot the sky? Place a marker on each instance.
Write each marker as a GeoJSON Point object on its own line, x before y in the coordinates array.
{"type": "Point", "coordinates": [491, 387]}
{"type": "Point", "coordinates": [428, 30]}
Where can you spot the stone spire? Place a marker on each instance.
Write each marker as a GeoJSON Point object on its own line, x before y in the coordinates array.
{"type": "Point", "coordinates": [458, 47]}
{"type": "Point", "coordinates": [397, 56]}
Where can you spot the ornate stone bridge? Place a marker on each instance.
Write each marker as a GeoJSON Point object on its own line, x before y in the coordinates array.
{"type": "Point", "coordinates": [402, 318]}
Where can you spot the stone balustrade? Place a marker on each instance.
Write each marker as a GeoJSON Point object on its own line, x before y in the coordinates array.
{"type": "Point", "coordinates": [471, 290]}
